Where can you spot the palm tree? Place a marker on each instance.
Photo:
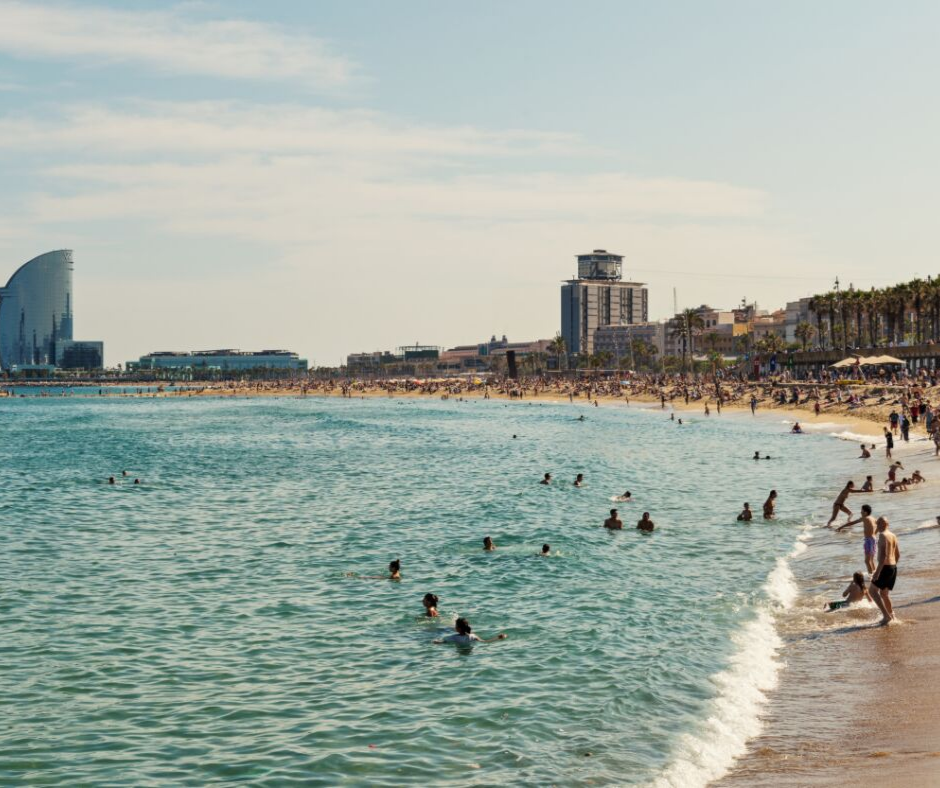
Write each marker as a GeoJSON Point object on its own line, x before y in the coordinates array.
{"type": "Point", "coordinates": [804, 332]}
{"type": "Point", "coordinates": [689, 324]}
{"type": "Point", "coordinates": [558, 348]}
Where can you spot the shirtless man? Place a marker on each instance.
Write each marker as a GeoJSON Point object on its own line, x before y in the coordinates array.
{"type": "Point", "coordinates": [868, 486]}
{"type": "Point", "coordinates": [746, 514]}
{"type": "Point", "coordinates": [613, 523]}
{"type": "Point", "coordinates": [885, 575]}
{"type": "Point", "coordinates": [769, 506]}
{"type": "Point", "coordinates": [645, 524]}
{"type": "Point", "coordinates": [869, 526]}
{"type": "Point", "coordinates": [865, 453]}
{"type": "Point", "coordinates": [547, 479]}
{"type": "Point", "coordinates": [579, 480]}
{"type": "Point", "coordinates": [839, 504]}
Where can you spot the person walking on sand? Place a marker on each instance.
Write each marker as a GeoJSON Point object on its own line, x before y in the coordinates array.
{"type": "Point", "coordinates": [886, 573]}
{"type": "Point", "coordinates": [893, 420]}
{"type": "Point", "coordinates": [889, 443]}
{"type": "Point", "coordinates": [613, 523]}
{"type": "Point", "coordinates": [839, 504]}
{"type": "Point", "coordinates": [770, 505]}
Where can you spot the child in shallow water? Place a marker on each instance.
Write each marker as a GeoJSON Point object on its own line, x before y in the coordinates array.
{"type": "Point", "coordinates": [856, 592]}
{"type": "Point", "coordinates": [464, 635]}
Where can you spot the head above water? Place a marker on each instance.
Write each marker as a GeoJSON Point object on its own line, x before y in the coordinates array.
{"type": "Point", "coordinates": [627, 494]}
{"type": "Point", "coordinates": [394, 566]}
{"type": "Point", "coordinates": [487, 543]}
{"type": "Point", "coordinates": [463, 626]}
{"type": "Point", "coordinates": [613, 512]}
{"type": "Point", "coordinates": [546, 549]}
{"type": "Point", "coordinates": [430, 600]}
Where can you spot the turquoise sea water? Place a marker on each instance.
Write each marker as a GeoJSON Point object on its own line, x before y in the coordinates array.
{"type": "Point", "coordinates": [202, 627]}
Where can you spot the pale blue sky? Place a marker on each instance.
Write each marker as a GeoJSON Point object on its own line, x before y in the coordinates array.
{"type": "Point", "coordinates": [341, 176]}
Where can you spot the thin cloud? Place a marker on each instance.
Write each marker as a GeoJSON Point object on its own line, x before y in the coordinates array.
{"type": "Point", "coordinates": [203, 128]}
{"type": "Point", "coordinates": [171, 42]}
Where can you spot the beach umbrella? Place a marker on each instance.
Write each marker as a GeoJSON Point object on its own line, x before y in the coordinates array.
{"type": "Point", "coordinates": [846, 362]}
{"type": "Point", "coordinates": [879, 360]}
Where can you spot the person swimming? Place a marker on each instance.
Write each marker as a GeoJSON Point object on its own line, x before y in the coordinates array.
{"type": "Point", "coordinates": [869, 485]}
{"type": "Point", "coordinates": [488, 544]}
{"type": "Point", "coordinates": [645, 524]}
{"type": "Point", "coordinates": [579, 480]}
{"type": "Point", "coordinates": [394, 573]}
{"type": "Point", "coordinates": [855, 592]}
{"type": "Point", "coordinates": [613, 523]}
{"type": "Point", "coordinates": [464, 635]}
{"type": "Point", "coordinates": [746, 514]}
{"type": "Point", "coordinates": [625, 498]}
{"type": "Point", "coordinates": [111, 480]}
{"type": "Point", "coordinates": [546, 550]}
{"type": "Point", "coordinates": [865, 453]}
{"type": "Point", "coordinates": [430, 605]}
{"type": "Point", "coordinates": [547, 479]}
{"type": "Point", "coordinates": [796, 429]}
{"type": "Point", "coordinates": [136, 481]}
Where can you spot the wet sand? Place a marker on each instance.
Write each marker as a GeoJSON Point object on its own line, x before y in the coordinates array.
{"type": "Point", "coordinates": [856, 705]}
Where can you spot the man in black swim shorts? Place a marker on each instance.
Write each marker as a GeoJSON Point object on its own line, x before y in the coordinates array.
{"type": "Point", "coordinates": [886, 573]}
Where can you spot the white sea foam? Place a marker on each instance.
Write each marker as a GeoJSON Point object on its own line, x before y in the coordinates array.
{"type": "Point", "coordinates": [856, 437]}
{"type": "Point", "coordinates": [752, 672]}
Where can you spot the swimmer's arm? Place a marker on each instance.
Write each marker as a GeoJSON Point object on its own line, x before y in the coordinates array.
{"type": "Point", "coordinates": [500, 636]}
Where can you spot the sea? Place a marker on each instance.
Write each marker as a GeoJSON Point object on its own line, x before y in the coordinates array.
{"type": "Point", "coordinates": [229, 619]}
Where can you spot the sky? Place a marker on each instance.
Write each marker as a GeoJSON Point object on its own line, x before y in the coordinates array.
{"type": "Point", "coordinates": [352, 175]}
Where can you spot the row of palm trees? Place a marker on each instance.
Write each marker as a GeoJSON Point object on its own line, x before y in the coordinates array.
{"type": "Point", "coordinates": [906, 312]}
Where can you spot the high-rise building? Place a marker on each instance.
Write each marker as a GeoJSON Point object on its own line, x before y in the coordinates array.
{"type": "Point", "coordinates": [598, 297]}
{"type": "Point", "coordinates": [36, 314]}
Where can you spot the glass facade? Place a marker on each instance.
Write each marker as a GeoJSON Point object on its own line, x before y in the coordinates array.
{"type": "Point", "coordinates": [36, 310]}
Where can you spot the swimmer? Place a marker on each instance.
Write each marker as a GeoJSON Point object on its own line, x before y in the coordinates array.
{"type": "Point", "coordinates": [546, 550]}
{"type": "Point", "coordinates": [865, 453]}
{"type": "Point", "coordinates": [856, 592]}
{"type": "Point", "coordinates": [579, 480]}
{"type": "Point", "coordinates": [394, 572]}
{"type": "Point", "coordinates": [645, 524]}
{"type": "Point", "coordinates": [868, 486]}
{"type": "Point", "coordinates": [430, 605]}
{"type": "Point", "coordinates": [625, 498]}
{"type": "Point", "coordinates": [488, 544]}
{"type": "Point", "coordinates": [547, 479]}
{"type": "Point", "coordinates": [123, 473]}
{"type": "Point", "coordinates": [613, 523]}
{"type": "Point", "coordinates": [581, 417]}
{"type": "Point", "coordinates": [900, 486]}
{"type": "Point", "coordinates": [464, 635]}
{"type": "Point", "coordinates": [136, 481]}
{"type": "Point", "coordinates": [797, 429]}
{"type": "Point", "coordinates": [746, 514]}
{"type": "Point", "coordinates": [770, 505]}
{"type": "Point", "coordinates": [679, 422]}
{"type": "Point", "coordinates": [756, 455]}
{"type": "Point", "coordinates": [672, 417]}
{"type": "Point", "coordinates": [111, 480]}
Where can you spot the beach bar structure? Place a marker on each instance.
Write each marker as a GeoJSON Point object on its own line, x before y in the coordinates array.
{"type": "Point", "coordinates": [914, 357]}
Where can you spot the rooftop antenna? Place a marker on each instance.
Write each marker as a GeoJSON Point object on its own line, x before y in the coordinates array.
{"type": "Point", "coordinates": [675, 302]}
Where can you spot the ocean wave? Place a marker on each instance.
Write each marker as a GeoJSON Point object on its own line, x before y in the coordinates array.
{"type": "Point", "coordinates": [752, 672]}
{"type": "Point", "coordinates": [857, 437]}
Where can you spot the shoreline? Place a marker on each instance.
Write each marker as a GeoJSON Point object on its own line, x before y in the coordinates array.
{"type": "Point", "coordinates": [880, 679]}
